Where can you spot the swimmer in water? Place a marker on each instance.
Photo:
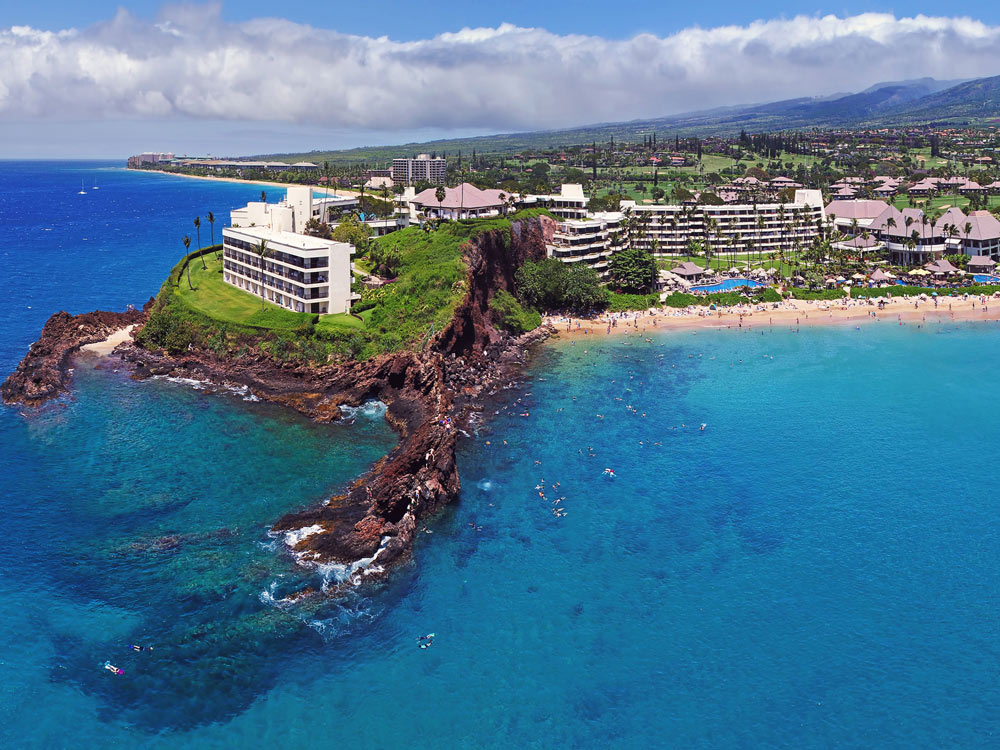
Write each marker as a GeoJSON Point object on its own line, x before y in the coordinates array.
{"type": "Point", "coordinates": [113, 669]}
{"type": "Point", "coordinates": [134, 647]}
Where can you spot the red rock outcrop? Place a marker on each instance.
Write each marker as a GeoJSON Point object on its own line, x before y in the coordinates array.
{"type": "Point", "coordinates": [43, 374]}
{"type": "Point", "coordinates": [427, 394]}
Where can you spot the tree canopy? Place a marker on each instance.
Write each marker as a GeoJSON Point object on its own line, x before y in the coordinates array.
{"type": "Point", "coordinates": [550, 284]}
{"type": "Point", "coordinates": [352, 230]}
{"type": "Point", "coordinates": [632, 270]}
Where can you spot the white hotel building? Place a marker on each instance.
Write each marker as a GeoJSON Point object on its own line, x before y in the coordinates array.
{"type": "Point", "coordinates": [667, 229]}
{"type": "Point", "coordinates": [591, 241]}
{"type": "Point", "coordinates": [763, 227]}
{"type": "Point", "coordinates": [300, 273]}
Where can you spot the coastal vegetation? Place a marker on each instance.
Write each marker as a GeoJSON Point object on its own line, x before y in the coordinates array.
{"type": "Point", "coordinates": [512, 316]}
{"type": "Point", "coordinates": [550, 285]}
{"type": "Point", "coordinates": [429, 285]}
{"type": "Point", "coordinates": [632, 270]}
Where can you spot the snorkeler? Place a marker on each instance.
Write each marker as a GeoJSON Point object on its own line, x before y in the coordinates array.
{"type": "Point", "coordinates": [113, 669]}
{"type": "Point", "coordinates": [134, 647]}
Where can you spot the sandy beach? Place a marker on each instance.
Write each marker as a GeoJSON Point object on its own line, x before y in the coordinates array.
{"type": "Point", "coordinates": [104, 348]}
{"type": "Point", "coordinates": [283, 185]}
{"type": "Point", "coordinates": [789, 314]}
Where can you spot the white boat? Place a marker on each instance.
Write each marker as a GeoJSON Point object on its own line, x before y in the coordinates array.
{"type": "Point", "coordinates": [95, 185]}
{"type": "Point", "coordinates": [82, 191]}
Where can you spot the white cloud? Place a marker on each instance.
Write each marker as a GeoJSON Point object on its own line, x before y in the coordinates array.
{"type": "Point", "coordinates": [192, 64]}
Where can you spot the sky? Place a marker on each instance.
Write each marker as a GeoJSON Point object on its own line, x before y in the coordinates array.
{"type": "Point", "coordinates": [104, 79]}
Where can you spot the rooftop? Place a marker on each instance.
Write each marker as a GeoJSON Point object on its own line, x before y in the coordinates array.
{"type": "Point", "coordinates": [287, 239]}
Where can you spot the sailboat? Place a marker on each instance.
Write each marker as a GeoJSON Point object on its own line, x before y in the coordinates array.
{"type": "Point", "coordinates": [95, 185]}
{"type": "Point", "coordinates": [82, 191]}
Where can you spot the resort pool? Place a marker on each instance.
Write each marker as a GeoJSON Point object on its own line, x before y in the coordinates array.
{"type": "Point", "coordinates": [727, 285]}
{"type": "Point", "coordinates": [985, 278]}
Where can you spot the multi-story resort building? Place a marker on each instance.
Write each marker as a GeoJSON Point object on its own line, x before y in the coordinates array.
{"type": "Point", "coordinates": [852, 216]}
{"type": "Point", "coordinates": [409, 171]}
{"type": "Point", "coordinates": [765, 227]}
{"type": "Point", "coordinates": [148, 157]}
{"type": "Point", "coordinates": [300, 273]}
{"type": "Point", "coordinates": [913, 239]}
{"type": "Point", "coordinates": [590, 241]}
{"type": "Point", "coordinates": [568, 203]}
{"type": "Point", "coordinates": [670, 229]}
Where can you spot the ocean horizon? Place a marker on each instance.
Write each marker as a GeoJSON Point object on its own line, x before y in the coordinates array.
{"type": "Point", "coordinates": [815, 568]}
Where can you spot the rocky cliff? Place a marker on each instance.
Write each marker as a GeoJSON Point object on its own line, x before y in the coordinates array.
{"type": "Point", "coordinates": [429, 394]}
{"type": "Point", "coordinates": [43, 374]}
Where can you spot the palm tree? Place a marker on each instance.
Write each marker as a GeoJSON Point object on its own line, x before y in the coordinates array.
{"type": "Point", "coordinates": [388, 206]}
{"type": "Point", "coordinates": [262, 251]}
{"type": "Point", "coordinates": [187, 264]}
{"type": "Point", "coordinates": [440, 195]}
{"type": "Point", "coordinates": [197, 226]}
{"type": "Point", "coordinates": [760, 250]}
{"type": "Point", "coordinates": [915, 237]}
{"type": "Point", "coordinates": [781, 223]}
{"type": "Point", "coordinates": [211, 225]}
{"type": "Point", "coordinates": [711, 232]}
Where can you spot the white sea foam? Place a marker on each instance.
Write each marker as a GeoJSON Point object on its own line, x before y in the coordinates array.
{"type": "Point", "coordinates": [368, 410]}
{"type": "Point", "coordinates": [271, 546]}
{"type": "Point", "coordinates": [339, 573]}
{"type": "Point", "coordinates": [242, 391]}
{"type": "Point", "coordinates": [485, 485]}
{"type": "Point", "coordinates": [295, 536]}
{"type": "Point", "coordinates": [267, 595]}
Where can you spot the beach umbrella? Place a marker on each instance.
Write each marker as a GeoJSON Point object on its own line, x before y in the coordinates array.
{"type": "Point", "coordinates": [734, 269]}
{"type": "Point", "coordinates": [841, 279]}
{"type": "Point", "coordinates": [934, 294]}
{"type": "Point", "coordinates": [860, 276]}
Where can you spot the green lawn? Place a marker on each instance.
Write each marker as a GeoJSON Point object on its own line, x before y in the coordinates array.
{"type": "Point", "coordinates": [939, 202]}
{"type": "Point", "coordinates": [215, 298]}
{"type": "Point", "coordinates": [341, 322]}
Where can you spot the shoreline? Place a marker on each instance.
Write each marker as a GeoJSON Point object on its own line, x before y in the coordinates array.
{"type": "Point", "coordinates": [793, 314]}
{"type": "Point", "coordinates": [240, 180]}
{"type": "Point", "coordinates": [107, 346]}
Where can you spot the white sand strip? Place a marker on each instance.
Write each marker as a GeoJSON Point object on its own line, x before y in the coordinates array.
{"type": "Point", "coordinates": [107, 346]}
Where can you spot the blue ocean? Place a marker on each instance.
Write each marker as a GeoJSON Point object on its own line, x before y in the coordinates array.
{"type": "Point", "coordinates": [816, 568]}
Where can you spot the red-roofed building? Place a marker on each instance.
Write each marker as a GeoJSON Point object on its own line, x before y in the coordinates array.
{"type": "Point", "coordinates": [463, 202]}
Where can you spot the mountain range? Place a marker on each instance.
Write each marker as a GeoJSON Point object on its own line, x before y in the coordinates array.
{"type": "Point", "coordinates": [921, 101]}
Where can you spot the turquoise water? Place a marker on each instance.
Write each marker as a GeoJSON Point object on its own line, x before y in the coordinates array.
{"type": "Point", "coordinates": [815, 569]}
{"type": "Point", "coordinates": [727, 285]}
{"type": "Point", "coordinates": [985, 278]}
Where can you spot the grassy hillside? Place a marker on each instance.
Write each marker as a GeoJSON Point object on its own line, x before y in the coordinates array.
{"type": "Point", "coordinates": [966, 102]}
{"type": "Point", "coordinates": [904, 102]}
{"type": "Point", "coordinates": [430, 286]}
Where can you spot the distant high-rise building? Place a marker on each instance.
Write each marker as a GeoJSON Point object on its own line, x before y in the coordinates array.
{"type": "Point", "coordinates": [409, 171]}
